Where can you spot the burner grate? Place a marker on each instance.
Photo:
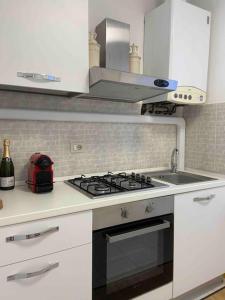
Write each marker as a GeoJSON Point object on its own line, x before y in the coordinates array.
{"type": "Point", "coordinates": [111, 183]}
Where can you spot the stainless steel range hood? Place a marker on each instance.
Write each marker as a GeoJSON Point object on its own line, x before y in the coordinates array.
{"type": "Point", "coordinates": [112, 81]}
{"type": "Point", "coordinates": [116, 85]}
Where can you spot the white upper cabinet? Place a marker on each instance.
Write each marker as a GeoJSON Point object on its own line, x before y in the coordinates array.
{"type": "Point", "coordinates": [177, 36]}
{"type": "Point", "coordinates": [46, 39]}
{"type": "Point", "coordinates": [199, 243]}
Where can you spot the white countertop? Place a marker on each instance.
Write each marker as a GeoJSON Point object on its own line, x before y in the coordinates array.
{"type": "Point", "coordinates": [21, 205]}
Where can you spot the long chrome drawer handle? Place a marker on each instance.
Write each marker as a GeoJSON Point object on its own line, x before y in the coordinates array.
{"type": "Point", "coordinates": [19, 276]}
{"type": "Point", "coordinates": [138, 232]}
{"type": "Point", "coordinates": [22, 237]}
{"type": "Point", "coordinates": [39, 77]}
{"type": "Point", "coordinates": [208, 198]}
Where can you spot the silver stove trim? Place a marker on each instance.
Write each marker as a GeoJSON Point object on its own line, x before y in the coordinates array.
{"type": "Point", "coordinates": [133, 211]}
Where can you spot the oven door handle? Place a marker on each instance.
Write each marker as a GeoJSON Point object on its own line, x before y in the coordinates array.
{"type": "Point", "coordinates": [123, 236]}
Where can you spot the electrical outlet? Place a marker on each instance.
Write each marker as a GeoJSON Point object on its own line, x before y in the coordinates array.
{"type": "Point", "coordinates": [75, 148]}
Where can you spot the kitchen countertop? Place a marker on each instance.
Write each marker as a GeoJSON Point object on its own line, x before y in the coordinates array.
{"type": "Point", "coordinates": [21, 205]}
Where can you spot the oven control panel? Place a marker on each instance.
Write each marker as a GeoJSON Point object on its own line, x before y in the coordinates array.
{"type": "Point", "coordinates": [187, 95]}
{"type": "Point", "coordinates": [132, 211]}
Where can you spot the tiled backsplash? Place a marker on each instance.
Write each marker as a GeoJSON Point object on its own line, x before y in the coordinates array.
{"type": "Point", "coordinates": [111, 146]}
{"type": "Point", "coordinates": [205, 137]}
{"type": "Point", "coordinates": [59, 103]}
{"type": "Point", "coordinates": [106, 146]}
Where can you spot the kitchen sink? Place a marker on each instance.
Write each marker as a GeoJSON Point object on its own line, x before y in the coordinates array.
{"type": "Point", "coordinates": [178, 177]}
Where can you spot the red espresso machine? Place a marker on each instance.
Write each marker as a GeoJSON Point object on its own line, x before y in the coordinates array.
{"type": "Point", "coordinates": [40, 173]}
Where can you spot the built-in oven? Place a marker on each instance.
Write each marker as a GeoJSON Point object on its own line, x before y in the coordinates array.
{"type": "Point", "coordinates": [132, 248]}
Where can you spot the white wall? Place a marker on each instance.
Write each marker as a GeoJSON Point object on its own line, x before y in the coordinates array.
{"type": "Point", "coordinates": [216, 82]}
{"type": "Point", "coordinates": [128, 11]}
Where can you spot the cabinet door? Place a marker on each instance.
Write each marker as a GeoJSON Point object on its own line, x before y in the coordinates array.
{"type": "Point", "coordinates": [199, 240]}
{"type": "Point", "coordinates": [190, 37]}
{"type": "Point", "coordinates": [63, 275]}
{"type": "Point", "coordinates": [44, 37]}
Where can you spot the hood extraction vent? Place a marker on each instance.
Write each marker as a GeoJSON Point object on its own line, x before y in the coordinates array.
{"type": "Point", "coordinates": [116, 85]}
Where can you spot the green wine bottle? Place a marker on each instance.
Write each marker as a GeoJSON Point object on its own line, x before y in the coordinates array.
{"type": "Point", "coordinates": [7, 178]}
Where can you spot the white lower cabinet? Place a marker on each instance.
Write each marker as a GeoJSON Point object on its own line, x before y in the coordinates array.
{"type": "Point", "coordinates": [41, 237]}
{"type": "Point", "coordinates": [63, 275]}
{"type": "Point", "coordinates": [199, 240]}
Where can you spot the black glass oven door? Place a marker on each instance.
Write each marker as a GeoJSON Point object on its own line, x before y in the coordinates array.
{"type": "Point", "coordinates": [132, 259]}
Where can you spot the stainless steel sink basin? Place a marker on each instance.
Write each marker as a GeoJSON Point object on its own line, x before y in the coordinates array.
{"type": "Point", "coordinates": [179, 177]}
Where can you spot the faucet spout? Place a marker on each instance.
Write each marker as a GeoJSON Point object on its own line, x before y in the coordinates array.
{"type": "Point", "coordinates": [174, 160]}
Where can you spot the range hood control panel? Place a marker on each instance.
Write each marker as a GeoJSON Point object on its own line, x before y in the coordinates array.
{"type": "Point", "coordinates": [161, 83]}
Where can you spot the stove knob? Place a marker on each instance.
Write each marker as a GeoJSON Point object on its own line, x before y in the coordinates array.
{"type": "Point", "coordinates": [149, 180]}
{"type": "Point", "coordinates": [148, 209]}
{"type": "Point", "coordinates": [124, 213]}
{"type": "Point", "coordinates": [143, 178]}
{"type": "Point", "coordinates": [138, 177]}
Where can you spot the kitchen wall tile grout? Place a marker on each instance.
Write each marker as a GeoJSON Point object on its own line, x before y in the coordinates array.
{"type": "Point", "coordinates": [205, 142]}
{"type": "Point", "coordinates": [107, 147]}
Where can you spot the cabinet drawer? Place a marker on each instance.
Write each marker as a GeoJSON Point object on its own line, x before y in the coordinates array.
{"type": "Point", "coordinates": [37, 238]}
{"type": "Point", "coordinates": [63, 275]}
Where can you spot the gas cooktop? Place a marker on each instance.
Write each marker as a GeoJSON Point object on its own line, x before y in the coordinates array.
{"type": "Point", "coordinates": [110, 183]}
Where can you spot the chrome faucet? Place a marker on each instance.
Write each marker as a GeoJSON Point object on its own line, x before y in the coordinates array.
{"type": "Point", "coordinates": [174, 160]}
